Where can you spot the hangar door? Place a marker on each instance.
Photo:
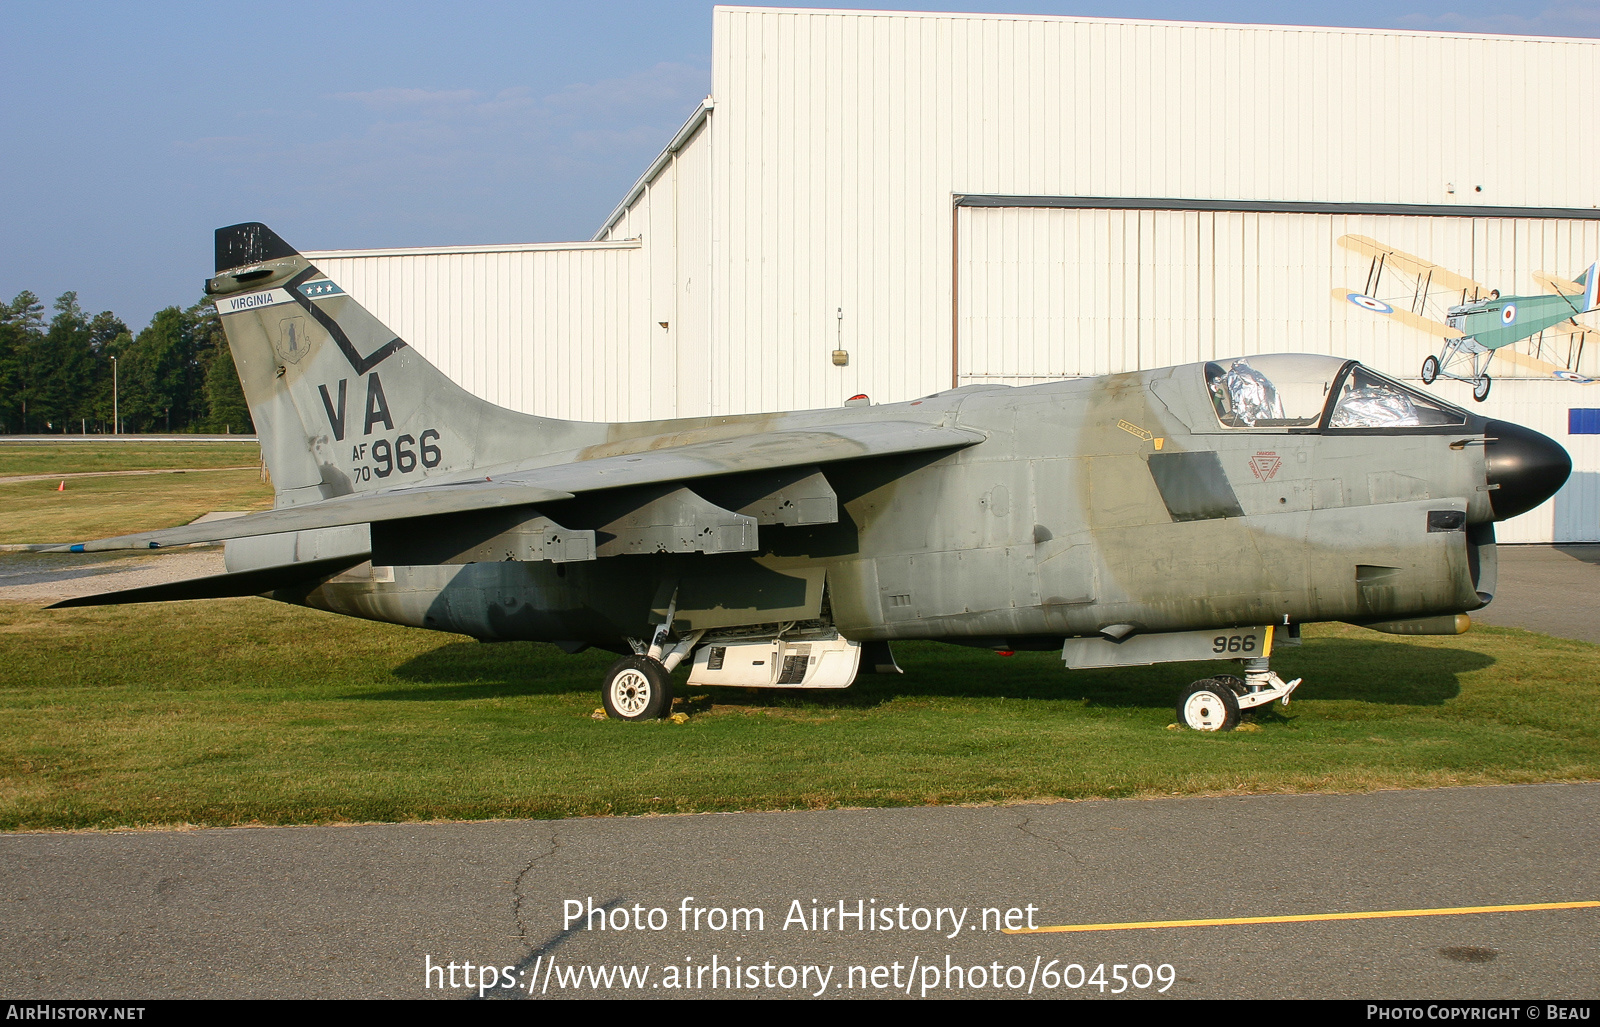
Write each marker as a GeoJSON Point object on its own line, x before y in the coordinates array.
{"type": "Point", "coordinates": [1047, 293]}
{"type": "Point", "coordinates": [1044, 293]}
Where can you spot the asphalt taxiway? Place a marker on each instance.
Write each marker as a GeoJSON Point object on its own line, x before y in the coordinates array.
{"type": "Point", "coordinates": [1554, 590]}
{"type": "Point", "coordinates": [365, 911]}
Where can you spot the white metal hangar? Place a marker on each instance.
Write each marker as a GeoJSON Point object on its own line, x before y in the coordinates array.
{"type": "Point", "coordinates": [895, 203]}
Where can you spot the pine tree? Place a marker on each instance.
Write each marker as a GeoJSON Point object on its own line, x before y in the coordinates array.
{"type": "Point", "coordinates": [21, 332]}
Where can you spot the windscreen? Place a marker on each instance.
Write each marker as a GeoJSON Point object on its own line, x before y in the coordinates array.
{"type": "Point", "coordinates": [1369, 400]}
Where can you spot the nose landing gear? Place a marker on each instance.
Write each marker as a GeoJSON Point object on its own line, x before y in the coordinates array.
{"type": "Point", "coordinates": [1214, 704]}
{"type": "Point", "coordinates": [1209, 705]}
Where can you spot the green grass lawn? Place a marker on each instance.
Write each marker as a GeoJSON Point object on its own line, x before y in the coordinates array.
{"type": "Point", "coordinates": [246, 711]}
{"type": "Point", "coordinates": [95, 455]}
{"type": "Point", "coordinates": [33, 511]}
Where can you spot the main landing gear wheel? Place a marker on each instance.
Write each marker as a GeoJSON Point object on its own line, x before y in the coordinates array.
{"type": "Point", "coordinates": [1430, 370]}
{"type": "Point", "coordinates": [1480, 389]}
{"type": "Point", "coordinates": [1209, 705]}
{"type": "Point", "coordinates": [637, 688]}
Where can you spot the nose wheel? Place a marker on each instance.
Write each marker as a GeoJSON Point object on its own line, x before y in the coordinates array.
{"type": "Point", "coordinates": [1214, 704]}
{"type": "Point", "coordinates": [1209, 705]}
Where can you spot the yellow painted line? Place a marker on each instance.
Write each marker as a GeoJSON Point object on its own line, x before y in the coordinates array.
{"type": "Point", "coordinates": [1377, 914]}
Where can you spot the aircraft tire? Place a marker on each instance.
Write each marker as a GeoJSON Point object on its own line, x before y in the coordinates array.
{"type": "Point", "coordinates": [1430, 370]}
{"type": "Point", "coordinates": [1480, 388]}
{"type": "Point", "coordinates": [1209, 705]}
{"type": "Point", "coordinates": [637, 688]}
{"type": "Point", "coordinates": [1233, 682]}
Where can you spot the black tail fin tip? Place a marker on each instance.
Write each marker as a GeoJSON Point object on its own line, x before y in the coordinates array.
{"type": "Point", "coordinates": [251, 243]}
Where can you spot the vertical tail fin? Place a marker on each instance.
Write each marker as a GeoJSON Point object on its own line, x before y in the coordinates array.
{"type": "Point", "coordinates": [341, 403]}
{"type": "Point", "coordinates": [1591, 289]}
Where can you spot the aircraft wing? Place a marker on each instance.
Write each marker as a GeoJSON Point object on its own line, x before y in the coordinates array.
{"type": "Point", "coordinates": [1572, 327]}
{"type": "Point", "coordinates": [1581, 339]}
{"type": "Point", "coordinates": [763, 451]}
{"type": "Point", "coordinates": [1410, 264]}
{"type": "Point", "coordinates": [332, 513]}
{"type": "Point", "coordinates": [791, 448]}
{"type": "Point", "coordinates": [1521, 359]}
{"type": "Point", "coordinates": [233, 585]}
{"type": "Point", "coordinates": [1405, 317]}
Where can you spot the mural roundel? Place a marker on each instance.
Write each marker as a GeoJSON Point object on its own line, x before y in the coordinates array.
{"type": "Point", "coordinates": [1368, 303]}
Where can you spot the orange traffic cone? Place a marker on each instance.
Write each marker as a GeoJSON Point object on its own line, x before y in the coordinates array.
{"type": "Point", "coordinates": [63, 486]}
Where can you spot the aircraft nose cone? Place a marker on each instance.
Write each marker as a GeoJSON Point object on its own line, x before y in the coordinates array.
{"type": "Point", "coordinates": [1527, 467]}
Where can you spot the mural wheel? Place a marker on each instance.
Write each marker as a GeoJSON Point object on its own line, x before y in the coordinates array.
{"type": "Point", "coordinates": [1430, 370]}
{"type": "Point", "coordinates": [1480, 389]}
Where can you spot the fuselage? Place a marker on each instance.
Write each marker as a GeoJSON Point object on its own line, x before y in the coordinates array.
{"type": "Point", "coordinates": [1134, 499]}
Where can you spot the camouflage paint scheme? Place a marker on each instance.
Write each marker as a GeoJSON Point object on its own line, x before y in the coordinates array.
{"type": "Point", "coordinates": [990, 515]}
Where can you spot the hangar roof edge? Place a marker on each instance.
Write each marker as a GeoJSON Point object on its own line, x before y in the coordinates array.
{"type": "Point", "coordinates": [982, 16]}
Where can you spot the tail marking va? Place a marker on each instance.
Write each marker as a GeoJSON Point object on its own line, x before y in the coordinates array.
{"type": "Point", "coordinates": [377, 407]}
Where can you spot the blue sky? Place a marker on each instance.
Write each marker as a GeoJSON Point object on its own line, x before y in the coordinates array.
{"type": "Point", "coordinates": [132, 130]}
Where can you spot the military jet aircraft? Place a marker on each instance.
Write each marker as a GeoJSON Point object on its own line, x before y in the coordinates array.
{"type": "Point", "coordinates": [1201, 512]}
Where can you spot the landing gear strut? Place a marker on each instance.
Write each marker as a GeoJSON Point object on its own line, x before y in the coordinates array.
{"type": "Point", "coordinates": [639, 687]}
{"type": "Point", "coordinates": [1214, 704]}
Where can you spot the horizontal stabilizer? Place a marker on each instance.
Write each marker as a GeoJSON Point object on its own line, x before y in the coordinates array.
{"type": "Point", "coordinates": [1558, 285]}
{"type": "Point", "coordinates": [1580, 295]}
{"type": "Point", "coordinates": [221, 586]}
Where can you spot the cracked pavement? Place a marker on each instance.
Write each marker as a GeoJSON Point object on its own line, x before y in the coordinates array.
{"type": "Point", "coordinates": [354, 911]}
{"type": "Point", "coordinates": [517, 887]}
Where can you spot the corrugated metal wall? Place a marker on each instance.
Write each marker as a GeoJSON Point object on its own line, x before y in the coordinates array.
{"type": "Point", "coordinates": [1047, 293]}
{"type": "Point", "coordinates": [842, 137]}
{"type": "Point", "coordinates": [670, 219]}
{"type": "Point", "coordinates": [551, 329]}
{"type": "Point", "coordinates": [611, 330]}
{"type": "Point", "coordinates": [693, 279]}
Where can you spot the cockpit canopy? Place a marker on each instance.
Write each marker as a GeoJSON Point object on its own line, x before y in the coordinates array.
{"type": "Point", "coordinates": [1308, 391]}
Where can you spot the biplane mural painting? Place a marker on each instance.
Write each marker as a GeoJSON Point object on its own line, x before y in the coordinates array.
{"type": "Point", "coordinates": [1537, 335]}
